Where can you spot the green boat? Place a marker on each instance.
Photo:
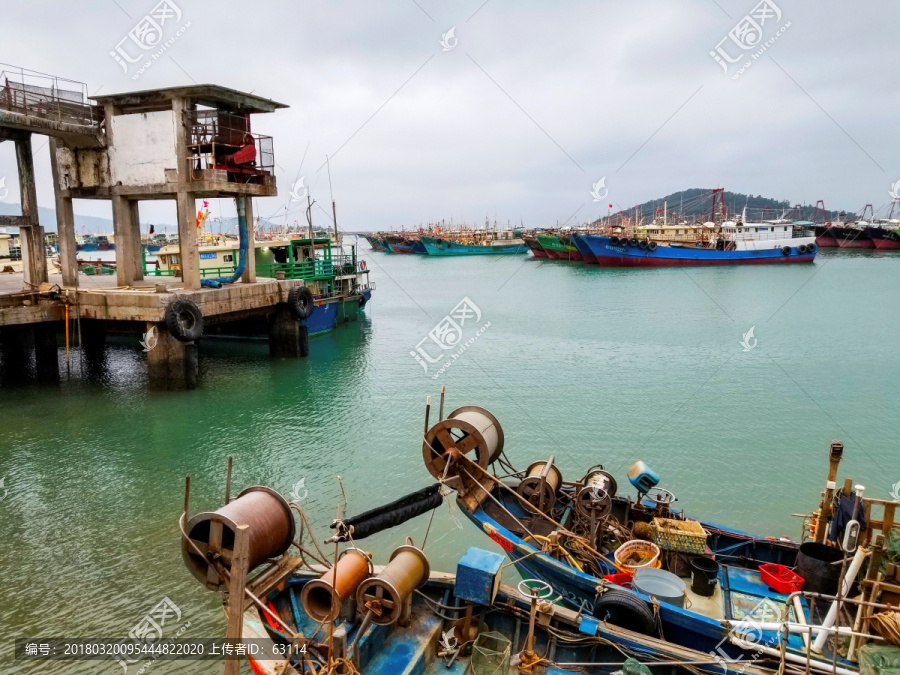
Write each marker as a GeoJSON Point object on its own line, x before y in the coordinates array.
{"type": "Point", "coordinates": [559, 247]}
{"type": "Point", "coordinates": [478, 244]}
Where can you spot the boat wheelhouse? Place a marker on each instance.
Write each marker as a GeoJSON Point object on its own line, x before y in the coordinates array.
{"type": "Point", "coordinates": [338, 281]}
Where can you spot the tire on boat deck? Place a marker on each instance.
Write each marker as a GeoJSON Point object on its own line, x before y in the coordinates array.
{"type": "Point", "coordinates": [651, 246]}
{"type": "Point", "coordinates": [785, 250]}
{"type": "Point", "coordinates": [614, 240]}
{"type": "Point", "coordinates": [300, 302]}
{"type": "Point", "coordinates": [626, 610]}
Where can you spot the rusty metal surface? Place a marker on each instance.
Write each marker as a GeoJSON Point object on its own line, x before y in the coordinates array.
{"type": "Point", "coordinates": [271, 531]}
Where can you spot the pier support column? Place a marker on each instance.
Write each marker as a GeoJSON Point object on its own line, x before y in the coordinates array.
{"type": "Point", "coordinates": [14, 356]}
{"type": "Point", "coordinates": [288, 338]}
{"type": "Point", "coordinates": [34, 252]}
{"type": "Point", "coordinates": [249, 275]}
{"type": "Point", "coordinates": [127, 267]}
{"type": "Point", "coordinates": [46, 354]}
{"type": "Point", "coordinates": [65, 223]}
{"type": "Point", "coordinates": [188, 249]}
{"type": "Point", "coordinates": [171, 364]}
{"type": "Point", "coordinates": [93, 345]}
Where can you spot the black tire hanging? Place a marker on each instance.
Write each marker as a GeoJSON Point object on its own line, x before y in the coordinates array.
{"type": "Point", "coordinates": [626, 610]}
{"type": "Point", "coordinates": [184, 320]}
{"type": "Point", "coordinates": [300, 302]}
{"type": "Point", "coordinates": [785, 250]}
{"type": "Point", "coordinates": [812, 248]}
{"type": "Point", "coordinates": [643, 244]}
{"type": "Point", "coordinates": [651, 245]}
{"type": "Point", "coordinates": [614, 240]}
{"type": "Point", "coordinates": [801, 249]}
{"type": "Point", "coordinates": [632, 242]}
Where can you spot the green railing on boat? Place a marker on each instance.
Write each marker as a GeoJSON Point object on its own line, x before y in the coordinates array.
{"type": "Point", "coordinates": [309, 269]}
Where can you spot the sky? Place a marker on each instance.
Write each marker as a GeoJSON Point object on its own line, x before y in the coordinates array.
{"type": "Point", "coordinates": [510, 111]}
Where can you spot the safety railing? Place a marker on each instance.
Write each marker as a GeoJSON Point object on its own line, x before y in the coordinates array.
{"type": "Point", "coordinates": [223, 140]}
{"type": "Point", "coordinates": [35, 94]}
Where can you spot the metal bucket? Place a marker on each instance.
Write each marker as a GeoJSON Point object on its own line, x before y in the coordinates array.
{"type": "Point", "coordinates": [659, 584]}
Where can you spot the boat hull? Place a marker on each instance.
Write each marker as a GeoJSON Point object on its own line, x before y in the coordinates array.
{"type": "Point", "coordinates": [609, 255]}
{"type": "Point", "coordinates": [442, 247]}
{"type": "Point", "coordinates": [535, 246]}
{"type": "Point", "coordinates": [587, 255]}
{"type": "Point", "coordinates": [401, 248]}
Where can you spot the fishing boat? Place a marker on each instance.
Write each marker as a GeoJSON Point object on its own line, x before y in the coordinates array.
{"type": "Point", "coordinates": [885, 235]}
{"type": "Point", "coordinates": [639, 563]}
{"type": "Point", "coordinates": [587, 255]}
{"type": "Point", "coordinates": [292, 609]}
{"type": "Point", "coordinates": [534, 246]}
{"type": "Point", "coordinates": [337, 279]}
{"type": "Point", "coordinates": [477, 242]}
{"type": "Point", "coordinates": [553, 246]}
{"type": "Point", "coordinates": [741, 242]}
{"type": "Point", "coordinates": [854, 235]}
{"type": "Point", "coordinates": [398, 243]}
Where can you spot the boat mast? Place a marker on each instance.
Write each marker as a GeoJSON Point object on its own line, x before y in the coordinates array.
{"type": "Point", "coordinates": [337, 236]}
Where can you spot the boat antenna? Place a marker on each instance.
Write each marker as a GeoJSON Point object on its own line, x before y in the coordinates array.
{"type": "Point", "coordinates": [333, 207]}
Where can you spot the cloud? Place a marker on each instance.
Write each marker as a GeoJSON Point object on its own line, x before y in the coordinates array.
{"type": "Point", "coordinates": [533, 106]}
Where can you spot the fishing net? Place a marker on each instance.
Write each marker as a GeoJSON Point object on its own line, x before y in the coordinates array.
{"type": "Point", "coordinates": [891, 554]}
{"type": "Point", "coordinates": [634, 667]}
{"type": "Point", "coordinates": [490, 654]}
{"type": "Point", "coordinates": [878, 660]}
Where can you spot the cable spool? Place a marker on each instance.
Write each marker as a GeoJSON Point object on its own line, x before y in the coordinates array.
{"type": "Point", "coordinates": [322, 598]}
{"type": "Point", "coordinates": [270, 529]}
{"type": "Point", "coordinates": [469, 430]}
{"type": "Point", "coordinates": [386, 594]}
{"type": "Point", "coordinates": [599, 477]}
{"type": "Point", "coordinates": [541, 493]}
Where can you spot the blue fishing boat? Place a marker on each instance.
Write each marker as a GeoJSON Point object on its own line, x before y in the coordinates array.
{"type": "Point", "coordinates": [639, 563]}
{"type": "Point", "coordinates": [476, 243]}
{"type": "Point", "coordinates": [741, 242]}
{"type": "Point", "coordinates": [295, 610]}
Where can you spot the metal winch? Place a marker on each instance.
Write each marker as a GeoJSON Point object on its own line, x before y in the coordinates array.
{"type": "Point", "coordinates": [211, 535]}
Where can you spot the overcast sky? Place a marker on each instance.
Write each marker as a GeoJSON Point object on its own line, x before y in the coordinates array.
{"type": "Point", "coordinates": [520, 111]}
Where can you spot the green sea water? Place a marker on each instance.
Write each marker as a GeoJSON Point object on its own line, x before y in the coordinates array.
{"type": "Point", "coordinates": [593, 365]}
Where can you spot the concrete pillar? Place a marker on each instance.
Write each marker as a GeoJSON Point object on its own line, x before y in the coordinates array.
{"type": "Point", "coordinates": [189, 250]}
{"type": "Point", "coordinates": [93, 346]}
{"type": "Point", "coordinates": [189, 253]}
{"type": "Point", "coordinates": [285, 334]}
{"type": "Point", "coordinates": [34, 253]}
{"type": "Point", "coordinates": [65, 223]}
{"type": "Point", "coordinates": [172, 364]}
{"type": "Point", "coordinates": [249, 275]}
{"type": "Point", "coordinates": [127, 268]}
{"type": "Point", "coordinates": [46, 353]}
{"type": "Point", "coordinates": [14, 356]}
{"type": "Point", "coordinates": [138, 247]}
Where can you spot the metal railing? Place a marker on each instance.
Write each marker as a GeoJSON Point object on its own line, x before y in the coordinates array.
{"type": "Point", "coordinates": [216, 135]}
{"type": "Point", "coordinates": [48, 97]}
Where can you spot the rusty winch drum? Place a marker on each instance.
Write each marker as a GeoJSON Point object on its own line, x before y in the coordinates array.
{"type": "Point", "coordinates": [386, 594]}
{"type": "Point", "coordinates": [322, 598]}
{"type": "Point", "coordinates": [469, 430]}
{"type": "Point", "coordinates": [541, 493]}
{"type": "Point", "coordinates": [270, 530]}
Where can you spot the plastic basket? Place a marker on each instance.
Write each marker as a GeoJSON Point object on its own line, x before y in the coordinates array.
{"type": "Point", "coordinates": [781, 578]}
{"type": "Point", "coordinates": [686, 536]}
{"type": "Point", "coordinates": [648, 551]}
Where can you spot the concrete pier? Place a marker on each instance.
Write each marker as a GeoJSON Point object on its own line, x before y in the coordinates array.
{"type": "Point", "coordinates": [178, 143]}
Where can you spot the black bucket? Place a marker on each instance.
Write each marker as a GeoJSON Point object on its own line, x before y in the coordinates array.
{"type": "Point", "coordinates": [704, 576]}
{"type": "Point", "coordinates": [815, 565]}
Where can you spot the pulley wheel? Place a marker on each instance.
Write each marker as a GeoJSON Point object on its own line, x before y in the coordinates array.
{"type": "Point", "coordinates": [532, 489]}
{"type": "Point", "coordinates": [593, 501]}
{"type": "Point", "coordinates": [447, 440]}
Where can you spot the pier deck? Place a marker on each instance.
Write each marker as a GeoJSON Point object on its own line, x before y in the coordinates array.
{"type": "Point", "coordinates": [98, 297]}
